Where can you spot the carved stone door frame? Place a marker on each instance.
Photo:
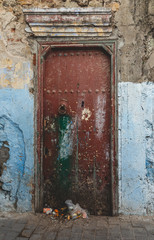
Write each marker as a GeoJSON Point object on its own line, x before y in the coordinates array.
{"type": "Point", "coordinates": [90, 27]}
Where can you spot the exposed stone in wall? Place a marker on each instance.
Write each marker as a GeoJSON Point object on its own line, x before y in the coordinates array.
{"type": "Point", "coordinates": [63, 3]}
{"type": "Point", "coordinates": [135, 27]}
{"type": "Point", "coordinates": [85, 3]}
{"type": "Point", "coordinates": [15, 52]}
{"type": "Point", "coordinates": [4, 154]}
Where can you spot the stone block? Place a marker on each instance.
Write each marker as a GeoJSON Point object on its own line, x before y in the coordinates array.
{"type": "Point", "coordinates": [20, 238]}
{"type": "Point", "coordinates": [25, 2]}
{"type": "Point", "coordinates": [82, 3]}
{"type": "Point", "coordinates": [140, 232]}
{"type": "Point", "coordinates": [36, 237]}
{"type": "Point", "coordinates": [76, 236]}
{"type": "Point", "coordinates": [27, 233]}
{"type": "Point", "coordinates": [18, 227]}
{"type": "Point", "coordinates": [115, 6]}
{"type": "Point", "coordinates": [151, 7]}
{"type": "Point", "coordinates": [101, 238]}
{"type": "Point", "coordinates": [10, 236]}
{"type": "Point", "coordinates": [50, 235]}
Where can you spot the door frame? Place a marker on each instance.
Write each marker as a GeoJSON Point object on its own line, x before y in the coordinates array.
{"type": "Point", "coordinates": [109, 46]}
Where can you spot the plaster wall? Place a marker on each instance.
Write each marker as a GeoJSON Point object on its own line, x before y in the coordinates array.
{"type": "Point", "coordinates": [17, 135]}
{"type": "Point", "coordinates": [132, 24]}
{"type": "Point", "coordinates": [136, 148]}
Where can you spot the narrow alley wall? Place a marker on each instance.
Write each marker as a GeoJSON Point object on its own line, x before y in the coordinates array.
{"type": "Point", "coordinates": [132, 24]}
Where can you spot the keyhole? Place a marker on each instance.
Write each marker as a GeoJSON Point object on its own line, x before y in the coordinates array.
{"type": "Point", "coordinates": [82, 104]}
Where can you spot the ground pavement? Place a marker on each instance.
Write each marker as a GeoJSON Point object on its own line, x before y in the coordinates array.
{"type": "Point", "coordinates": [40, 227]}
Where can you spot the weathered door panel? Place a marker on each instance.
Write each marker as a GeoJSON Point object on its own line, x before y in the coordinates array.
{"type": "Point", "coordinates": [77, 124]}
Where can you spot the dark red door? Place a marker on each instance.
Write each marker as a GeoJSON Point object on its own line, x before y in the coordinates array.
{"type": "Point", "coordinates": [77, 128]}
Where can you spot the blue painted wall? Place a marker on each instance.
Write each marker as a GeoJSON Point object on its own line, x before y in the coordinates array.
{"type": "Point", "coordinates": [17, 130]}
{"type": "Point", "coordinates": [136, 148]}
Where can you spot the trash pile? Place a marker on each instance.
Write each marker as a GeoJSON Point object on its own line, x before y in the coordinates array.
{"type": "Point", "coordinates": [72, 211]}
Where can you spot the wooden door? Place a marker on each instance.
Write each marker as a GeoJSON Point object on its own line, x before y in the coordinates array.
{"type": "Point", "coordinates": [77, 128]}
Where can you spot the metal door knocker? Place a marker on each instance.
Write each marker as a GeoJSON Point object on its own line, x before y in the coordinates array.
{"type": "Point", "coordinates": [62, 109]}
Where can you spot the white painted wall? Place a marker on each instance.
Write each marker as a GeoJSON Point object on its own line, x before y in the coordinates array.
{"type": "Point", "coordinates": [136, 148]}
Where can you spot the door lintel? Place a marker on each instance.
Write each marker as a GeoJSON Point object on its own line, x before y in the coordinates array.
{"type": "Point", "coordinates": [71, 22]}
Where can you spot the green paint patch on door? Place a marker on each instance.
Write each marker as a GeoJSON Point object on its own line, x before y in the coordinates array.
{"type": "Point", "coordinates": [64, 160]}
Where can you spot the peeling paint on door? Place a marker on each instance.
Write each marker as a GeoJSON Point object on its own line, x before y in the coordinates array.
{"type": "Point", "coordinates": [100, 114]}
{"type": "Point", "coordinates": [65, 137]}
{"type": "Point", "coordinates": [86, 114]}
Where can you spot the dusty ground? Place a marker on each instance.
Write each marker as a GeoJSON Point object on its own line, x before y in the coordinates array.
{"type": "Point", "coordinates": [40, 227]}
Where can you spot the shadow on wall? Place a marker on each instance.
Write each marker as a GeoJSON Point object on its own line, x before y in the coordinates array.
{"type": "Point", "coordinates": [12, 162]}
{"type": "Point", "coordinates": [149, 150]}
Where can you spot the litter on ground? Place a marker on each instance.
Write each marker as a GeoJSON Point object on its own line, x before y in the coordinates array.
{"type": "Point", "coordinates": [70, 211]}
